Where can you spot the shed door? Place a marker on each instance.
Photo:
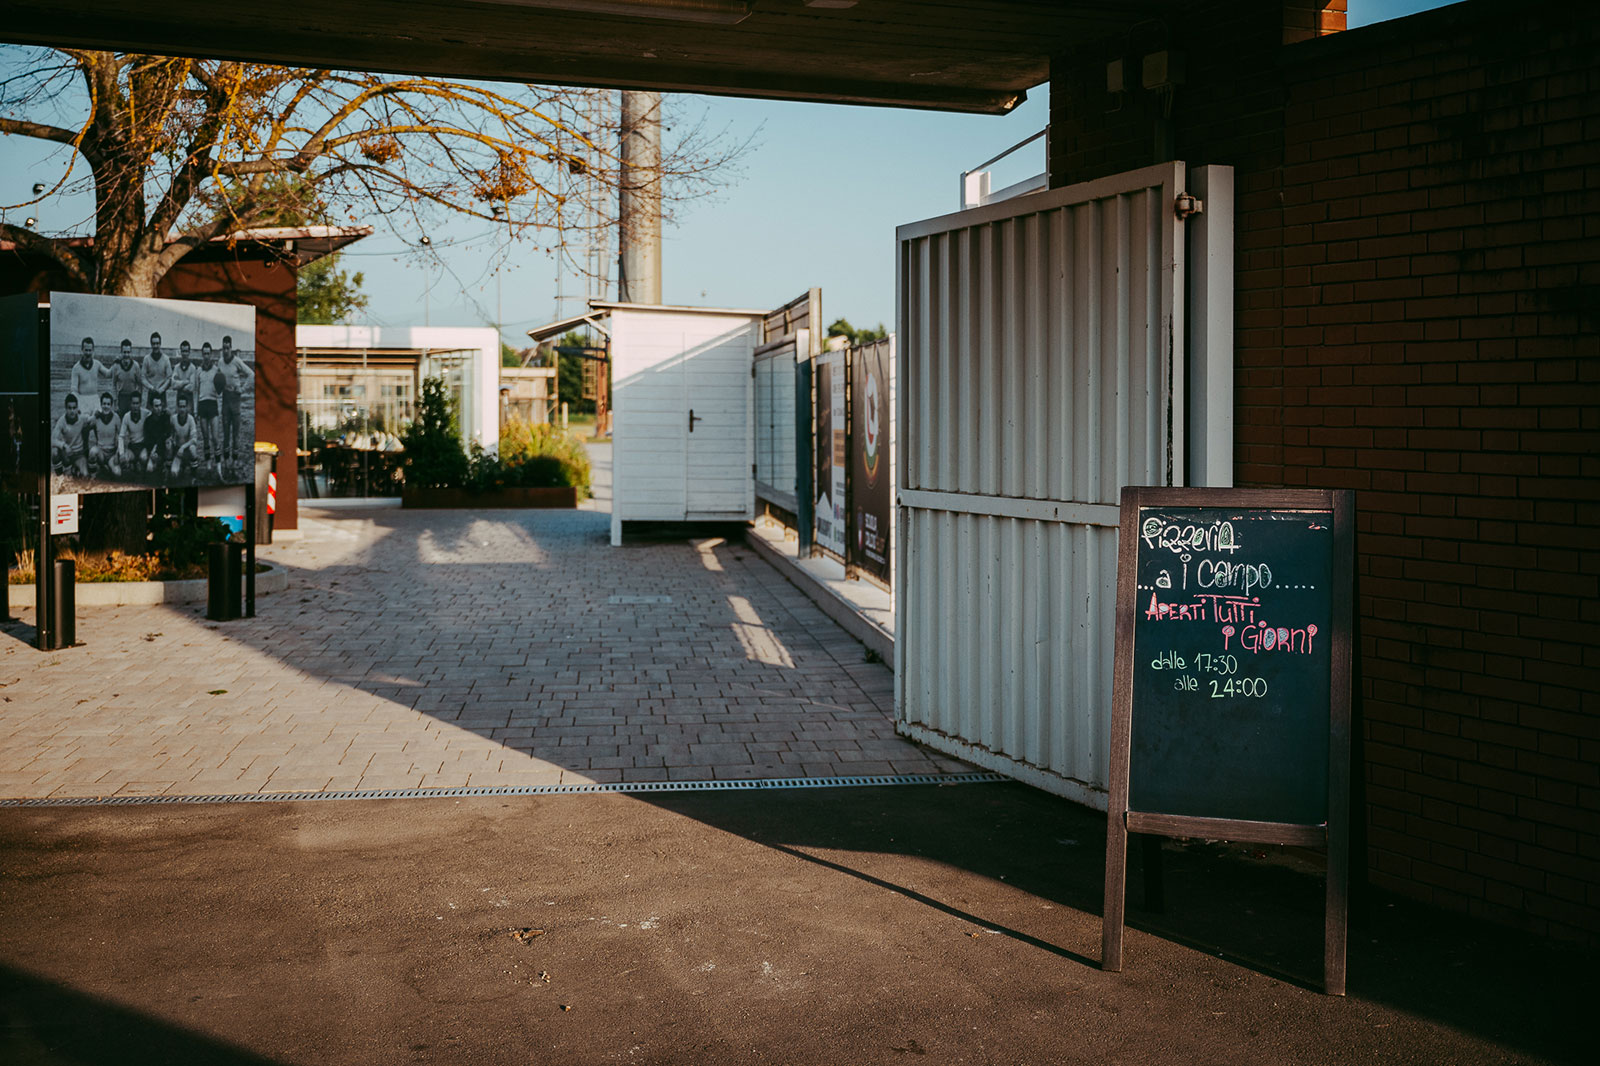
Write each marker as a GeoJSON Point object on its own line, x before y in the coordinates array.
{"type": "Point", "coordinates": [718, 429]}
{"type": "Point", "coordinates": [1041, 369]}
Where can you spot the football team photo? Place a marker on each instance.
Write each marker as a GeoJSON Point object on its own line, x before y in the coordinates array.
{"type": "Point", "coordinates": [150, 394]}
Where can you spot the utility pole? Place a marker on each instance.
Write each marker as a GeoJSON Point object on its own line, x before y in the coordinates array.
{"type": "Point", "coordinates": [639, 200]}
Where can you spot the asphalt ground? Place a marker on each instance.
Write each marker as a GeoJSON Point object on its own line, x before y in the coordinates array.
{"type": "Point", "coordinates": [953, 924]}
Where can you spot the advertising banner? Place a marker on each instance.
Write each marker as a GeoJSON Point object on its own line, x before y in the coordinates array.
{"type": "Point", "coordinates": [831, 447]}
{"type": "Point", "coordinates": [871, 472]}
{"type": "Point", "coordinates": [150, 393]}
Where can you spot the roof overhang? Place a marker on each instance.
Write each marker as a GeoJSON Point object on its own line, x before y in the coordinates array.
{"type": "Point", "coordinates": [979, 56]}
{"type": "Point", "coordinates": [543, 333]}
{"type": "Point", "coordinates": [298, 244]}
{"type": "Point", "coordinates": [303, 244]}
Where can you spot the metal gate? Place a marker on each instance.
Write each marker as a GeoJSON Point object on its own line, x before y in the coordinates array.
{"type": "Point", "coordinates": [1041, 368]}
{"type": "Point", "coordinates": [789, 340]}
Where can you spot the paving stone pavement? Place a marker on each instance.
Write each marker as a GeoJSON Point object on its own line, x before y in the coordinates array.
{"type": "Point", "coordinates": [443, 649]}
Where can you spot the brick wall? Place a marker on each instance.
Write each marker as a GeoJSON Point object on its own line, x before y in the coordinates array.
{"type": "Point", "coordinates": [268, 284]}
{"type": "Point", "coordinates": [1418, 319]}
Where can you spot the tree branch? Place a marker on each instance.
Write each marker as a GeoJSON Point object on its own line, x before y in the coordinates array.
{"type": "Point", "coordinates": [187, 242]}
{"type": "Point", "coordinates": [24, 128]}
{"type": "Point", "coordinates": [197, 157]}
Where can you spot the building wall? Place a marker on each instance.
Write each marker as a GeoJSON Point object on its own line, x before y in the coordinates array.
{"type": "Point", "coordinates": [478, 347]}
{"type": "Point", "coordinates": [270, 286]}
{"type": "Point", "coordinates": [1418, 319]}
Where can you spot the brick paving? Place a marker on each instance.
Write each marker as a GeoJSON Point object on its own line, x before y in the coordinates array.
{"type": "Point", "coordinates": [440, 649]}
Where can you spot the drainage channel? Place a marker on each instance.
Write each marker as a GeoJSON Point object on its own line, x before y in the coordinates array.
{"type": "Point", "coordinates": [871, 781]}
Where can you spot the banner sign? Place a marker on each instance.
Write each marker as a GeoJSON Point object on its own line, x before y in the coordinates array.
{"type": "Point", "coordinates": [831, 460]}
{"type": "Point", "coordinates": [871, 470]}
{"type": "Point", "coordinates": [150, 393]}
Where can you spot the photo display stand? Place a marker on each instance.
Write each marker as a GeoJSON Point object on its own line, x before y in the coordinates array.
{"type": "Point", "coordinates": [128, 394]}
{"type": "Point", "coordinates": [1232, 681]}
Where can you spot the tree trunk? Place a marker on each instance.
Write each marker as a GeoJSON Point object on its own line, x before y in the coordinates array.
{"type": "Point", "coordinates": [116, 521]}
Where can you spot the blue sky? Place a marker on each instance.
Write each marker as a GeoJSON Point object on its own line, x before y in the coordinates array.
{"type": "Point", "coordinates": [817, 204]}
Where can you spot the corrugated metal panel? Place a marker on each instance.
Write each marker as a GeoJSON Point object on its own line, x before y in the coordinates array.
{"type": "Point", "coordinates": [1041, 369]}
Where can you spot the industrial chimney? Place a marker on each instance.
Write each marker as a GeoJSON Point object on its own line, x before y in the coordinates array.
{"type": "Point", "coordinates": [639, 200]}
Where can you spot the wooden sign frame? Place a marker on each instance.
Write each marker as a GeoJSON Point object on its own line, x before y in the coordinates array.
{"type": "Point", "coordinates": [1334, 834]}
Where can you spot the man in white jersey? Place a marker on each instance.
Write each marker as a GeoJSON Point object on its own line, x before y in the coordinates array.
{"type": "Point", "coordinates": [237, 381]}
{"type": "Point", "coordinates": [90, 377]}
{"type": "Point", "coordinates": [67, 454]}
{"type": "Point", "coordinates": [185, 439]}
{"type": "Point", "coordinates": [156, 373]}
{"type": "Point", "coordinates": [102, 436]}
{"type": "Point", "coordinates": [208, 396]}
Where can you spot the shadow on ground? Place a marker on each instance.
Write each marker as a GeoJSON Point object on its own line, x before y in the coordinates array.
{"type": "Point", "coordinates": [47, 1023]}
{"type": "Point", "coordinates": [1258, 907]}
{"type": "Point", "coordinates": [797, 926]}
{"type": "Point", "coordinates": [992, 861]}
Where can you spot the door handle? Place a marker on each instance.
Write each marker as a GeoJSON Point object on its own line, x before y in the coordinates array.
{"type": "Point", "coordinates": [693, 418]}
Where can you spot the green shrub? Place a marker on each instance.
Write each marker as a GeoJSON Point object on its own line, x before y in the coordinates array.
{"type": "Point", "coordinates": [537, 456]}
{"type": "Point", "coordinates": [181, 542]}
{"type": "Point", "coordinates": [434, 458]}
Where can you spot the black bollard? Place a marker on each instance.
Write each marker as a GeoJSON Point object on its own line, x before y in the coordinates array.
{"type": "Point", "coordinates": [217, 583]}
{"type": "Point", "coordinates": [235, 580]}
{"type": "Point", "coordinates": [64, 602]}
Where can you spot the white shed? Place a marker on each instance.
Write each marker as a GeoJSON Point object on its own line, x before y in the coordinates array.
{"type": "Point", "coordinates": [683, 438]}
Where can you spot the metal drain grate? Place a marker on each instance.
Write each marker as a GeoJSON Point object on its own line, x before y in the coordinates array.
{"type": "Point", "coordinates": [876, 780]}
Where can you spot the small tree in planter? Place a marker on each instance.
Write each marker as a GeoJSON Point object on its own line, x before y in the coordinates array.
{"type": "Point", "coordinates": [434, 458]}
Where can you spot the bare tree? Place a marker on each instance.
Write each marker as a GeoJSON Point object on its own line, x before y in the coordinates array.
{"type": "Point", "coordinates": [179, 152]}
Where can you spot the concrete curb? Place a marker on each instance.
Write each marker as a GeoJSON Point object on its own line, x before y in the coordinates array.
{"type": "Point", "coordinates": [873, 636]}
{"type": "Point", "coordinates": [149, 593]}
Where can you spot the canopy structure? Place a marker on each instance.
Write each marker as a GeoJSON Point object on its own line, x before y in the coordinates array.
{"type": "Point", "coordinates": [977, 56]}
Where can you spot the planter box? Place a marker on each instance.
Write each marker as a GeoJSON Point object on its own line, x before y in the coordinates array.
{"type": "Point", "coordinates": [148, 593]}
{"type": "Point", "coordinates": [482, 501]}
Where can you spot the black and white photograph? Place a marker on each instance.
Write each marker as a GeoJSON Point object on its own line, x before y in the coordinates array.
{"type": "Point", "coordinates": [150, 393]}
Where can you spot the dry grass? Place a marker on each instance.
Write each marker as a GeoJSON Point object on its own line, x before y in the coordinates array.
{"type": "Point", "coordinates": [93, 567]}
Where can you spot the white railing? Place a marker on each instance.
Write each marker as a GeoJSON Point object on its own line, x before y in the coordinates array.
{"type": "Point", "coordinates": [975, 183]}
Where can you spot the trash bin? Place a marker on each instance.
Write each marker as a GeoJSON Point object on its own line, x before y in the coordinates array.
{"type": "Point", "coordinates": [266, 490]}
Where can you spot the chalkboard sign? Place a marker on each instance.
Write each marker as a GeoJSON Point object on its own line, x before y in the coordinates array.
{"type": "Point", "coordinates": [1232, 681]}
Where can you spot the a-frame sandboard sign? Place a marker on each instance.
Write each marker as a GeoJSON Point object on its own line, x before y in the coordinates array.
{"type": "Point", "coordinates": [1231, 688]}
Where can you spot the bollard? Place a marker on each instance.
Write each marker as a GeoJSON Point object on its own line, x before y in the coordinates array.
{"type": "Point", "coordinates": [217, 583]}
{"type": "Point", "coordinates": [64, 602]}
{"type": "Point", "coordinates": [235, 580]}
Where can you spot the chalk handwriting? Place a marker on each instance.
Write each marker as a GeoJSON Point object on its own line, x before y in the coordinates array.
{"type": "Point", "coordinates": [1260, 637]}
{"type": "Point", "coordinates": [1161, 533]}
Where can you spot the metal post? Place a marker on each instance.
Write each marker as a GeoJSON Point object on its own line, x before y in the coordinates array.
{"type": "Point", "coordinates": [249, 554]}
{"type": "Point", "coordinates": [849, 460]}
{"type": "Point", "coordinates": [233, 568]}
{"type": "Point", "coordinates": [63, 603]}
{"type": "Point", "coordinates": [43, 631]}
{"type": "Point", "coordinates": [217, 582]}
